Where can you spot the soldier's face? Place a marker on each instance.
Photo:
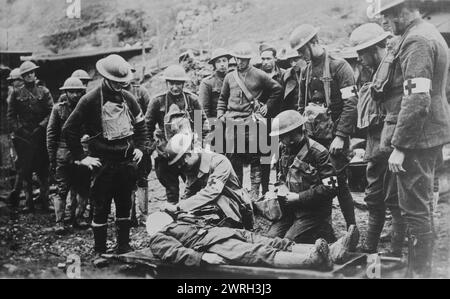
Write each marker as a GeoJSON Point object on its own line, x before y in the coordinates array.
{"type": "Point", "coordinates": [175, 87]}
{"type": "Point", "coordinates": [366, 58]}
{"type": "Point", "coordinates": [292, 138]}
{"type": "Point", "coordinates": [74, 95]}
{"type": "Point", "coordinates": [221, 65]}
{"type": "Point", "coordinates": [268, 61]}
{"type": "Point", "coordinates": [29, 77]}
{"type": "Point", "coordinates": [305, 53]}
{"type": "Point", "coordinates": [117, 86]}
{"type": "Point", "coordinates": [396, 19]}
{"type": "Point", "coordinates": [188, 162]}
{"type": "Point", "coordinates": [296, 63]}
{"type": "Point", "coordinates": [242, 64]}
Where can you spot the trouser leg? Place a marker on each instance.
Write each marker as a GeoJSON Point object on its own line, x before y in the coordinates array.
{"type": "Point", "coordinates": [398, 232]}
{"type": "Point", "coordinates": [340, 162]}
{"type": "Point", "coordinates": [168, 177]}
{"type": "Point", "coordinates": [265, 177]}
{"type": "Point", "coordinates": [415, 193]}
{"type": "Point", "coordinates": [307, 232]}
{"type": "Point", "coordinates": [62, 187]}
{"type": "Point", "coordinates": [255, 177]}
{"type": "Point", "coordinates": [254, 238]}
{"type": "Point", "coordinates": [280, 227]}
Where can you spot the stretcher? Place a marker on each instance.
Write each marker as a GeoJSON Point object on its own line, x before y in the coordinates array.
{"type": "Point", "coordinates": [356, 267]}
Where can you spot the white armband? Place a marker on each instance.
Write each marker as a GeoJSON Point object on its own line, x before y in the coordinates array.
{"type": "Point", "coordinates": [416, 85]}
{"type": "Point", "coordinates": [349, 92]}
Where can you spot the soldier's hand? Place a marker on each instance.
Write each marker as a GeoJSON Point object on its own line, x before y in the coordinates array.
{"type": "Point", "coordinates": [396, 161]}
{"type": "Point", "coordinates": [91, 162]}
{"type": "Point", "coordinates": [213, 259]}
{"type": "Point", "coordinates": [291, 196]}
{"type": "Point", "coordinates": [263, 110]}
{"type": "Point", "coordinates": [137, 155]}
{"type": "Point", "coordinates": [337, 145]}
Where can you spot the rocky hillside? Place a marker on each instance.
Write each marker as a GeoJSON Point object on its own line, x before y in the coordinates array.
{"type": "Point", "coordinates": [43, 26]}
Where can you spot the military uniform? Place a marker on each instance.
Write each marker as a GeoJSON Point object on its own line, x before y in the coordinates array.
{"type": "Point", "coordinates": [342, 115]}
{"type": "Point", "coordinates": [234, 104]}
{"type": "Point", "coordinates": [113, 142]}
{"type": "Point", "coordinates": [306, 169]}
{"type": "Point", "coordinates": [69, 177]}
{"type": "Point", "coordinates": [290, 83]}
{"type": "Point", "coordinates": [28, 112]}
{"type": "Point", "coordinates": [157, 110]}
{"type": "Point", "coordinates": [216, 188]}
{"type": "Point", "coordinates": [417, 123]}
{"type": "Point", "coordinates": [209, 93]}
{"type": "Point", "coordinates": [186, 240]}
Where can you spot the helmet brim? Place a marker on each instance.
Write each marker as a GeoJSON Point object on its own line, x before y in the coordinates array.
{"type": "Point", "coordinates": [183, 151]}
{"type": "Point", "coordinates": [29, 71]}
{"type": "Point", "coordinates": [100, 65]}
{"type": "Point", "coordinates": [287, 129]}
{"type": "Point", "coordinates": [72, 88]}
{"type": "Point", "coordinates": [307, 39]}
{"type": "Point", "coordinates": [370, 43]}
{"type": "Point", "coordinates": [180, 79]}
{"type": "Point", "coordinates": [385, 8]}
{"type": "Point", "coordinates": [213, 59]}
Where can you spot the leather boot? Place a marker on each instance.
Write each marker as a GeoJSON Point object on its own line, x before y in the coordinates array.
{"type": "Point", "coordinates": [123, 236]}
{"type": "Point", "coordinates": [420, 254]}
{"type": "Point", "coordinates": [255, 180]}
{"type": "Point", "coordinates": [316, 258]}
{"type": "Point", "coordinates": [398, 233]}
{"type": "Point", "coordinates": [374, 229]}
{"type": "Point", "coordinates": [29, 204]}
{"type": "Point", "coordinates": [340, 250]}
{"type": "Point", "coordinates": [100, 234]}
{"type": "Point", "coordinates": [141, 205]}
{"type": "Point", "coordinates": [265, 177]}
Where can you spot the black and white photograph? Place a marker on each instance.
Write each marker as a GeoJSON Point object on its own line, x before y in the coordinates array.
{"type": "Point", "coordinates": [223, 145]}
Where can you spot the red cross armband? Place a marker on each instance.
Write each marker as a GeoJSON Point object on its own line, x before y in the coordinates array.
{"type": "Point", "coordinates": [330, 182]}
{"type": "Point", "coordinates": [416, 85]}
{"type": "Point", "coordinates": [349, 92]}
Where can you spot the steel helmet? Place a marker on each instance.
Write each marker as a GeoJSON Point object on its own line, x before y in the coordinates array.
{"type": "Point", "coordinates": [157, 221]}
{"type": "Point", "coordinates": [15, 75]}
{"type": "Point", "coordinates": [81, 74]}
{"type": "Point", "coordinates": [177, 146]}
{"type": "Point", "coordinates": [302, 35]}
{"type": "Point", "coordinates": [286, 121]}
{"type": "Point", "coordinates": [27, 67]}
{"type": "Point", "coordinates": [367, 35]}
{"type": "Point", "coordinates": [175, 73]}
{"type": "Point", "coordinates": [217, 53]}
{"type": "Point", "coordinates": [73, 84]}
{"type": "Point", "coordinates": [243, 50]}
{"type": "Point", "coordinates": [384, 5]}
{"type": "Point", "coordinates": [115, 68]}
{"type": "Point", "coordinates": [290, 54]}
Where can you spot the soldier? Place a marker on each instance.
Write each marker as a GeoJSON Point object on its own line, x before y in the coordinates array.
{"type": "Point", "coordinates": [29, 109]}
{"type": "Point", "coordinates": [212, 186]}
{"type": "Point", "coordinates": [247, 93]}
{"type": "Point", "coordinates": [211, 86]}
{"type": "Point", "coordinates": [328, 86]}
{"type": "Point", "coordinates": [269, 65]}
{"type": "Point", "coordinates": [112, 118]}
{"type": "Point", "coordinates": [369, 41]}
{"type": "Point", "coordinates": [68, 175]}
{"type": "Point", "coordinates": [291, 81]}
{"type": "Point", "coordinates": [186, 239]}
{"type": "Point", "coordinates": [81, 75]}
{"type": "Point", "coordinates": [180, 104]}
{"type": "Point", "coordinates": [139, 208]}
{"type": "Point", "coordinates": [417, 123]}
{"type": "Point", "coordinates": [307, 173]}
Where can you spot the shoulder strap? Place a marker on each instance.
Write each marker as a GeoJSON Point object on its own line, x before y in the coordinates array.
{"type": "Point", "coordinates": [327, 79]}
{"type": "Point", "coordinates": [244, 88]}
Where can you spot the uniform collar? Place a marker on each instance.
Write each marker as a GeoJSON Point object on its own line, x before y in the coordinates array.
{"type": "Point", "coordinates": [205, 163]}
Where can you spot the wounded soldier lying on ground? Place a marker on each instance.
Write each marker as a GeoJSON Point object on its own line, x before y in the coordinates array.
{"type": "Point", "coordinates": [188, 240]}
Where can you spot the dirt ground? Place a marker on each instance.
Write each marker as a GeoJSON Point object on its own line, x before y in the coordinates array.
{"type": "Point", "coordinates": [29, 248]}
